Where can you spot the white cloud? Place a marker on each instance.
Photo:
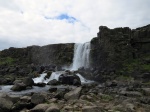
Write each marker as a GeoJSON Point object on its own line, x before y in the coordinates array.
{"type": "Point", "coordinates": [23, 22]}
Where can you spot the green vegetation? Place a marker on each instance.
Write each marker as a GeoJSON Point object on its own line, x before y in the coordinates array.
{"type": "Point", "coordinates": [7, 60]}
{"type": "Point", "coordinates": [137, 64]}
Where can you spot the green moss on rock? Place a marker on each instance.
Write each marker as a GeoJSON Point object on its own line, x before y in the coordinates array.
{"type": "Point", "coordinates": [7, 60]}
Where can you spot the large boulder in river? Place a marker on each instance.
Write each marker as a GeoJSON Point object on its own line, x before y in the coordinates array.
{"type": "Point", "coordinates": [18, 87]}
{"type": "Point", "coordinates": [53, 82]}
{"type": "Point", "coordinates": [28, 81]}
{"type": "Point", "coordinates": [69, 79]}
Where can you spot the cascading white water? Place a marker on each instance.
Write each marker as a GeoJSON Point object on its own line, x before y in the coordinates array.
{"type": "Point", "coordinates": [81, 56]}
{"type": "Point", "coordinates": [39, 79]}
{"type": "Point", "coordinates": [55, 75]}
{"type": "Point", "coordinates": [81, 59]}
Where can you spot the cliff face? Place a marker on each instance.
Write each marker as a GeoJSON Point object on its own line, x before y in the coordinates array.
{"type": "Point", "coordinates": [59, 54]}
{"type": "Point", "coordinates": [120, 47]}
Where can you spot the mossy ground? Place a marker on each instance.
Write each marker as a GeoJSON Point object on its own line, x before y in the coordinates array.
{"type": "Point", "coordinates": [7, 61]}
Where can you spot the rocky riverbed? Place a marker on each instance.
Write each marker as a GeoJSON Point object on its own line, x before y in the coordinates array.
{"type": "Point", "coordinates": [111, 96]}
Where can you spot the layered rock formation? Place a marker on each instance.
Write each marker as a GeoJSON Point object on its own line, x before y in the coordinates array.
{"type": "Point", "coordinates": [59, 54]}
{"type": "Point", "coordinates": [121, 49]}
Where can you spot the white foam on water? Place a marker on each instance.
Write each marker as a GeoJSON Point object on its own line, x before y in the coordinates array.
{"type": "Point", "coordinates": [83, 80]}
{"type": "Point", "coordinates": [40, 78]}
{"type": "Point", "coordinates": [54, 75]}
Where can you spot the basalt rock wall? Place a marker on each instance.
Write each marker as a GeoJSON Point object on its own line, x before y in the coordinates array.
{"type": "Point", "coordinates": [59, 54]}
{"type": "Point", "coordinates": [115, 48]}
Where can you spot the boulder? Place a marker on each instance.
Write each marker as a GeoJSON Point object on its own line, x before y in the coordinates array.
{"type": "Point", "coordinates": [69, 79]}
{"type": "Point", "coordinates": [40, 108]}
{"type": "Point", "coordinates": [53, 82]}
{"type": "Point", "coordinates": [37, 98]}
{"type": "Point", "coordinates": [5, 105]}
{"type": "Point", "coordinates": [53, 108]}
{"type": "Point", "coordinates": [18, 87]}
{"type": "Point", "coordinates": [28, 81]}
{"type": "Point", "coordinates": [74, 94]}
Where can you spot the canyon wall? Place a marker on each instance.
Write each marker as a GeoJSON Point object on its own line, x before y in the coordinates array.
{"type": "Point", "coordinates": [59, 54]}
{"type": "Point", "coordinates": [121, 48]}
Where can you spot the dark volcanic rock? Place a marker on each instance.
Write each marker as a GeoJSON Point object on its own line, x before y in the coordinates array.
{"type": "Point", "coordinates": [122, 50]}
{"type": "Point", "coordinates": [69, 79]}
{"type": "Point", "coordinates": [28, 81]}
{"type": "Point", "coordinates": [37, 98]}
{"type": "Point", "coordinates": [59, 54]}
{"type": "Point", "coordinates": [119, 42]}
{"type": "Point", "coordinates": [18, 87]}
{"type": "Point", "coordinates": [53, 82]}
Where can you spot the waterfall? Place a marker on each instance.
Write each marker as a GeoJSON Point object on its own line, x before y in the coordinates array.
{"type": "Point", "coordinates": [81, 56]}
{"type": "Point", "coordinates": [81, 59]}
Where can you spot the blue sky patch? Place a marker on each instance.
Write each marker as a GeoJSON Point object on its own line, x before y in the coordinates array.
{"type": "Point", "coordinates": [70, 19]}
{"type": "Point", "coordinates": [66, 17]}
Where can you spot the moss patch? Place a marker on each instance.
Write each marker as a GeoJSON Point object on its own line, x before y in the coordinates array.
{"type": "Point", "coordinates": [7, 60]}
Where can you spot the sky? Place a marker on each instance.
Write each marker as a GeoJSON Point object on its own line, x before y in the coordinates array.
{"type": "Point", "coordinates": [41, 22]}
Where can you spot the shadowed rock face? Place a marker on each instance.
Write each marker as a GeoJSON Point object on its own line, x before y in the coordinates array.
{"type": "Point", "coordinates": [114, 47]}
{"type": "Point", "coordinates": [60, 54]}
